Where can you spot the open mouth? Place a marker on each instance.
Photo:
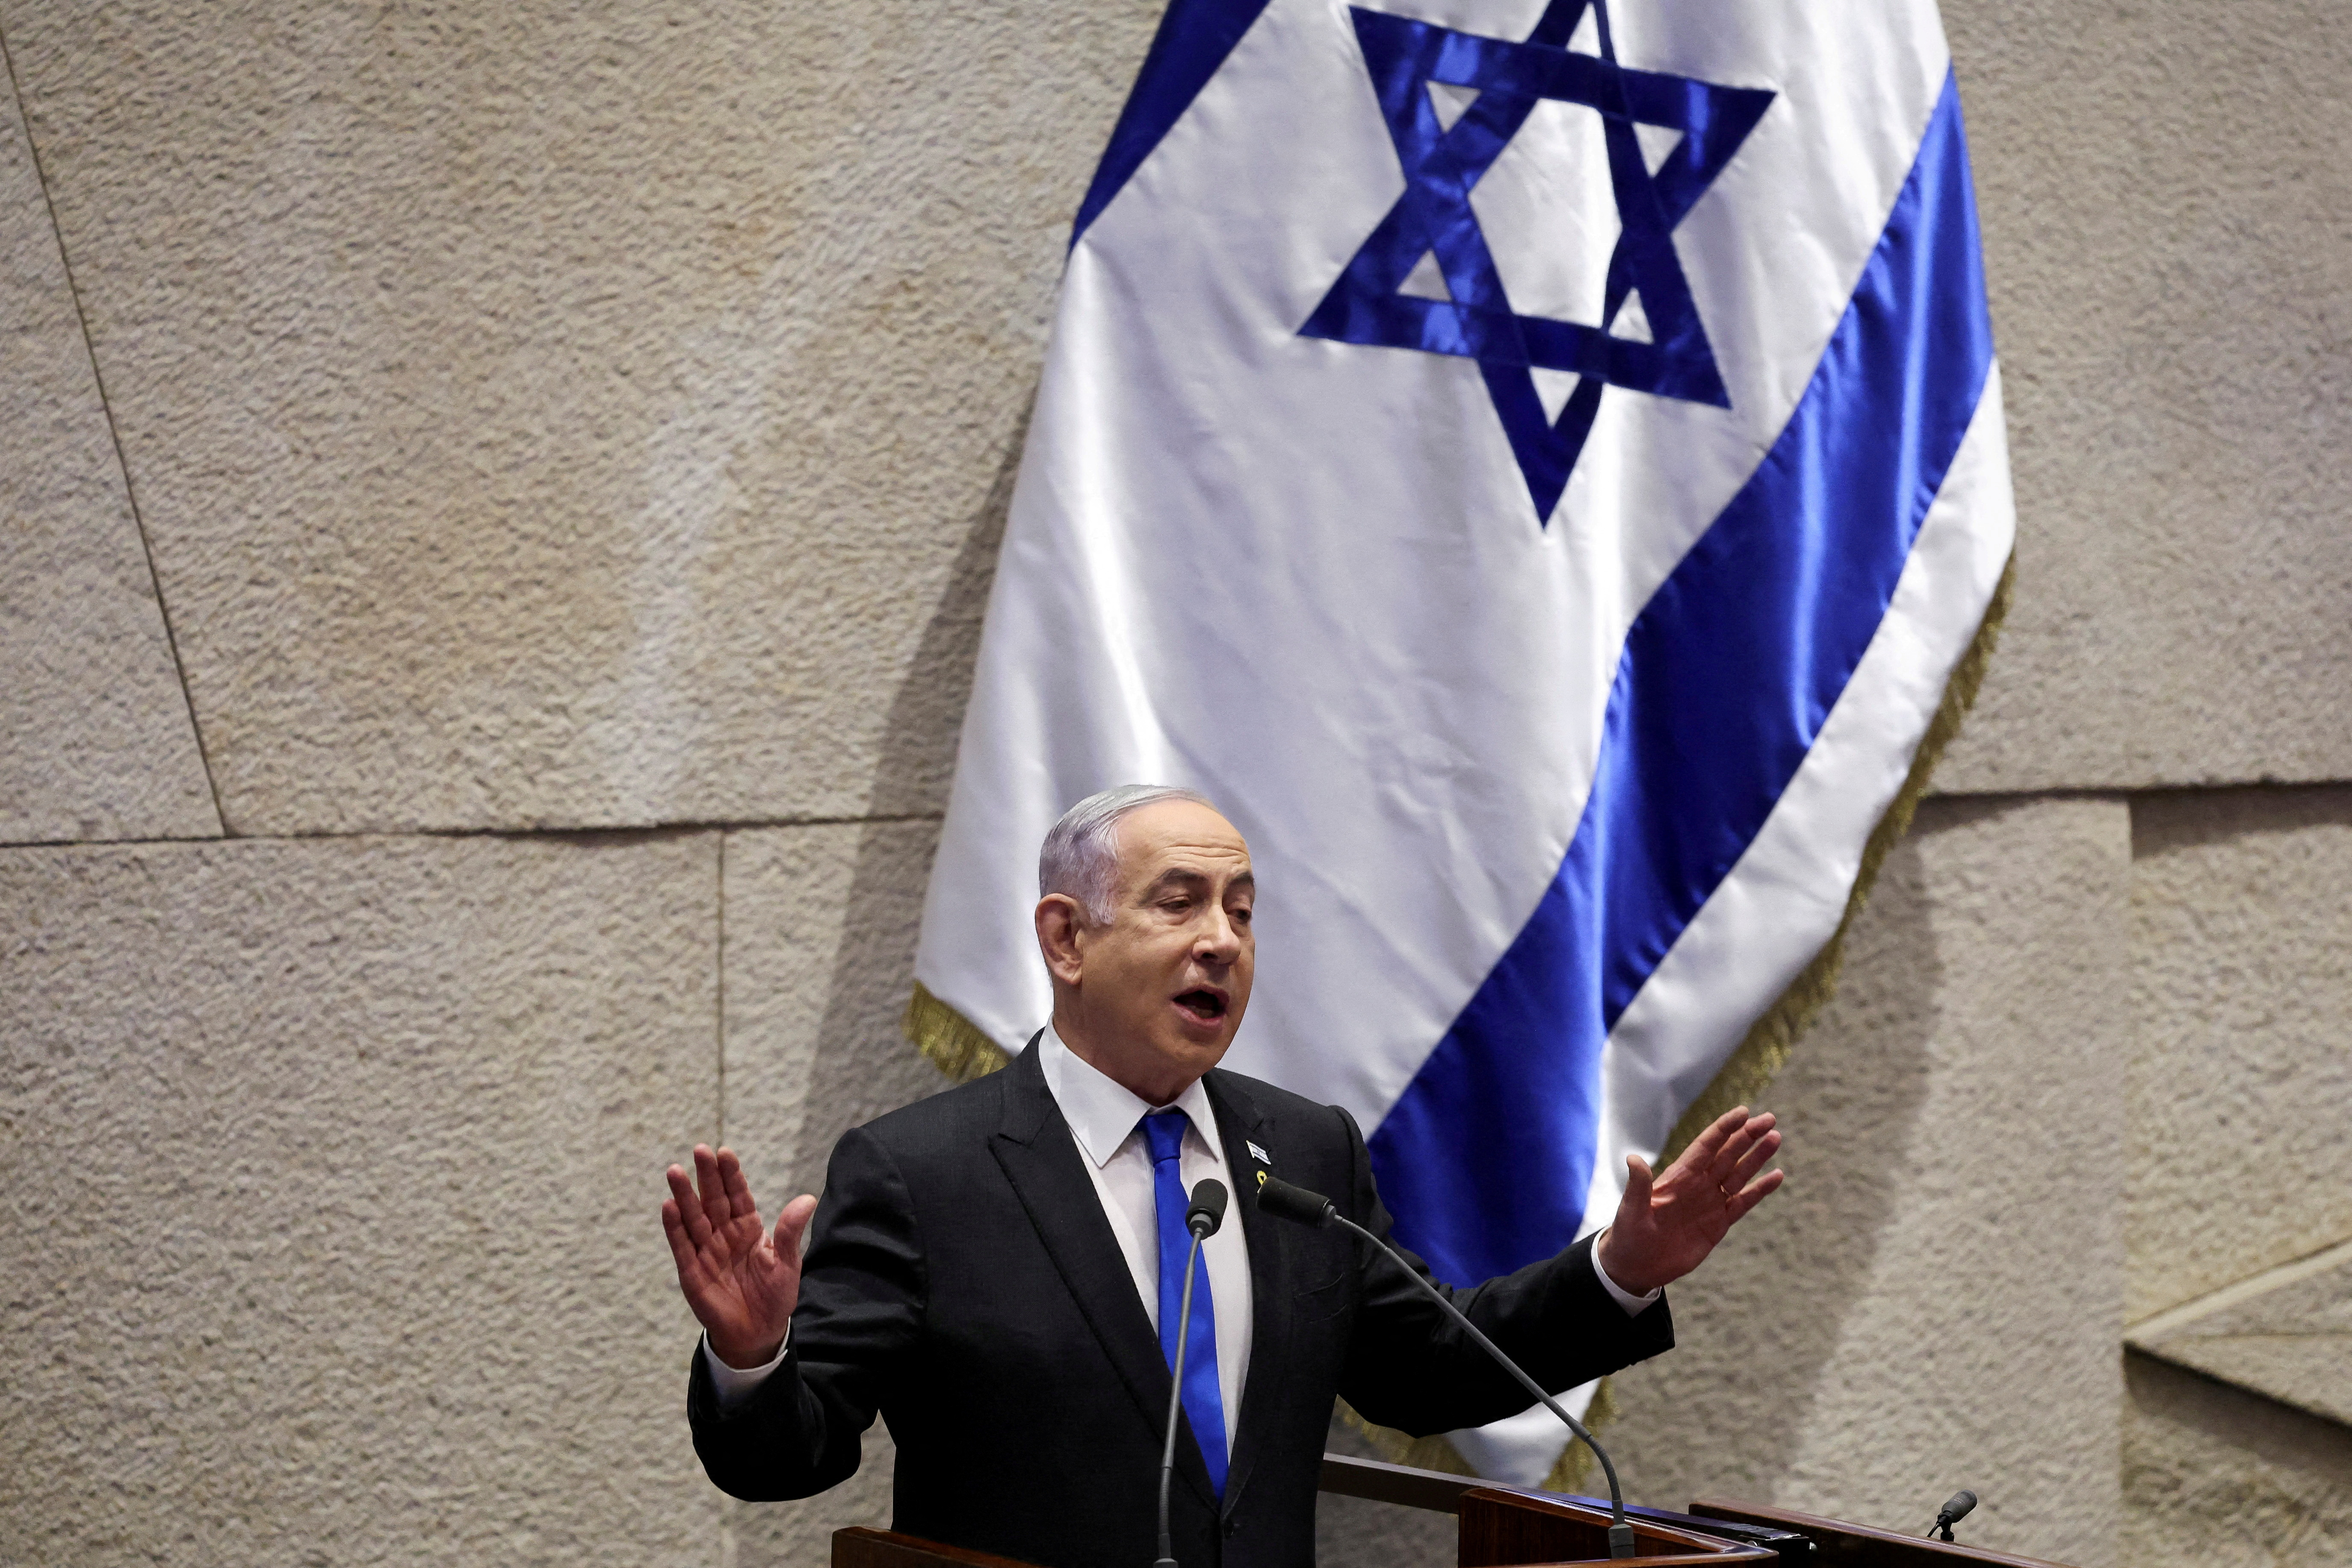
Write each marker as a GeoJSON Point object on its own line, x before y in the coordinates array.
{"type": "Point", "coordinates": [1207, 1005]}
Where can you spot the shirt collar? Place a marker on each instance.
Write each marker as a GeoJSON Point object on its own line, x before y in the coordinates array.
{"type": "Point", "coordinates": [1103, 1112]}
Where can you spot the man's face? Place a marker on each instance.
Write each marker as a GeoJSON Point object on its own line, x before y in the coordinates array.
{"type": "Point", "coordinates": [1161, 987]}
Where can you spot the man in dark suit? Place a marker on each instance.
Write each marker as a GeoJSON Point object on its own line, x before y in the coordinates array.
{"type": "Point", "coordinates": [995, 1270]}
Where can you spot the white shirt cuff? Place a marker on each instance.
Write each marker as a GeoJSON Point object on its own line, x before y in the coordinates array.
{"type": "Point", "coordinates": [1618, 1293]}
{"type": "Point", "coordinates": [734, 1384]}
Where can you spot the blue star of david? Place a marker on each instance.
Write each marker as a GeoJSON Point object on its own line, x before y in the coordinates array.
{"type": "Point", "coordinates": [1441, 164]}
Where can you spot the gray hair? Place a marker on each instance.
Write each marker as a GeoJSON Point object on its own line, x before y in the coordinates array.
{"type": "Point", "coordinates": [1080, 856]}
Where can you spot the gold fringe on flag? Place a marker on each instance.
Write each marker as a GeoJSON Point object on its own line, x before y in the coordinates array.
{"type": "Point", "coordinates": [950, 1041]}
{"type": "Point", "coordinates": [963, 1052]}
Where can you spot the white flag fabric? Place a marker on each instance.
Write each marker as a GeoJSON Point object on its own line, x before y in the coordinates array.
{"type": "Point", "coordinates": [1535, 466]}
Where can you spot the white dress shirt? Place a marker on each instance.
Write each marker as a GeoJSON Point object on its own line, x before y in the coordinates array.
{"type": "Point", "coordinates": [1102, 1115]}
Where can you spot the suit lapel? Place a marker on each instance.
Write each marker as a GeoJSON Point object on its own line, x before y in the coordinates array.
{"type": "Point", "coordinates": [1274, 1270]}
{"type": "Point", "coordinates": [1040, 1158]}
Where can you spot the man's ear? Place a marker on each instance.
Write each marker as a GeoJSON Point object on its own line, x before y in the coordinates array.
{"type": "Point", "coordinates": [1059, 923]}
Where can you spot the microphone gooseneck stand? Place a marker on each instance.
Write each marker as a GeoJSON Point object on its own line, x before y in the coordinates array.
{"type": "Point", "coordinates": [1283, 1201]}
{"type": "Point", "coordinates": [1202, 1218]}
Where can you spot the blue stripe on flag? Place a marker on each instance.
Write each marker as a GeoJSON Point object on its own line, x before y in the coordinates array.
{"type": "Point", "coordinates": [1194, 38]}
{"type": "Point", "coordinates": [1727, 675]}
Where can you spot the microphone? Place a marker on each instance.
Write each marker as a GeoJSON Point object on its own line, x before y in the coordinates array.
{"type": "Point", "coordinates": [1953, 1512]}
{"type": "Point", "coordinates": [1206, 1213]}
{"type": "Point", "coordinates": [1208, 1210]}
{"type": "Point", "coordinates": [1283, 1201]}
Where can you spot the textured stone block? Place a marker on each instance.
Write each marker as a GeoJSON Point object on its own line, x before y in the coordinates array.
{"type": "Point", "coordinates": [1932, 1302]}
{"type": "Point", "coordinates": [2168, 225]}
{"type": "Point", "coordinates": [2241, 1084]}
{"type": "Point", "coordinates": [333, 1173]}
{"type": "Point", "coordinates": [2215, 1478]}
{"type": "Point", "coordinates": [572, 415]}
{"type": "Point", "coordinates": [95, 737]}
{"type": "Point", "coordinates": [820, 952]}
{"type": "Point", "coordinates": [563, 415]}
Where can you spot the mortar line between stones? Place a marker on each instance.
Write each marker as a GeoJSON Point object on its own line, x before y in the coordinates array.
{"type": "Point", "coordinates": [634, 830]}
{"type": "Point", "coordinates": [114, 434]}
{"type": "Point", "coordinates": [721, 1109]}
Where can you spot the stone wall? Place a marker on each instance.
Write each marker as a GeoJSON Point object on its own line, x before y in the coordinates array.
{"type": "Point", "coordinates": [495, 507]}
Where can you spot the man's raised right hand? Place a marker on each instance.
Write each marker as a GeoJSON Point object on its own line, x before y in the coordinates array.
{"type": "Point", "coordinates": [741, 1281]}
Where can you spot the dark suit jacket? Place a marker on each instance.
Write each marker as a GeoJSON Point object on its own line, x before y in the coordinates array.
{"type": "Point", "coordinates": [962, 1280]}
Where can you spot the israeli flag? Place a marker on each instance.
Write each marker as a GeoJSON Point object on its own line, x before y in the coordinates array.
{"type": "Point", "coordinates": [1537, 465]}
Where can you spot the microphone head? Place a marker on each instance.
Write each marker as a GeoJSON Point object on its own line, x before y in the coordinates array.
{"type": "Point", "coordinates": [1283, 1201]}
{"type": "Point", "coordinates": [1208, 1210]}
{"type": "Point", "coordinates": [1958, 1509]}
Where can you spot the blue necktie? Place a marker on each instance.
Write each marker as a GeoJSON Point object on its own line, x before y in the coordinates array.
{"type": "Point", "coordinates": [1204, 1407]}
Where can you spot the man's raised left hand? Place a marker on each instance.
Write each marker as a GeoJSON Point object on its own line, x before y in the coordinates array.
{"type": "Point", "coordinates": [1665, 1225]}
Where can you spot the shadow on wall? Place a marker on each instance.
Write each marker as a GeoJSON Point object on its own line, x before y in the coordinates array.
{"type": "Point", "coordinates": [916, 758]}
{"type": "Point", "coordinates": [1755, 1329]}
{"type": "Point", "coordinates": [862, 1065]}
{"type": "Point", "coordinates": [2214, 1474]}
{"type": "Point", "coordinates": [2167, 820]}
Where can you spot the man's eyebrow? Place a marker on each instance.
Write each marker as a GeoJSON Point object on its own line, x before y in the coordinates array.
{"type": "Point", "coordinates": [1186, 876]}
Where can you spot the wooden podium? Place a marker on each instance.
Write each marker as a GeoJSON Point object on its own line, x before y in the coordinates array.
{"type": "Point", "coordinates": [1505, 1526]}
